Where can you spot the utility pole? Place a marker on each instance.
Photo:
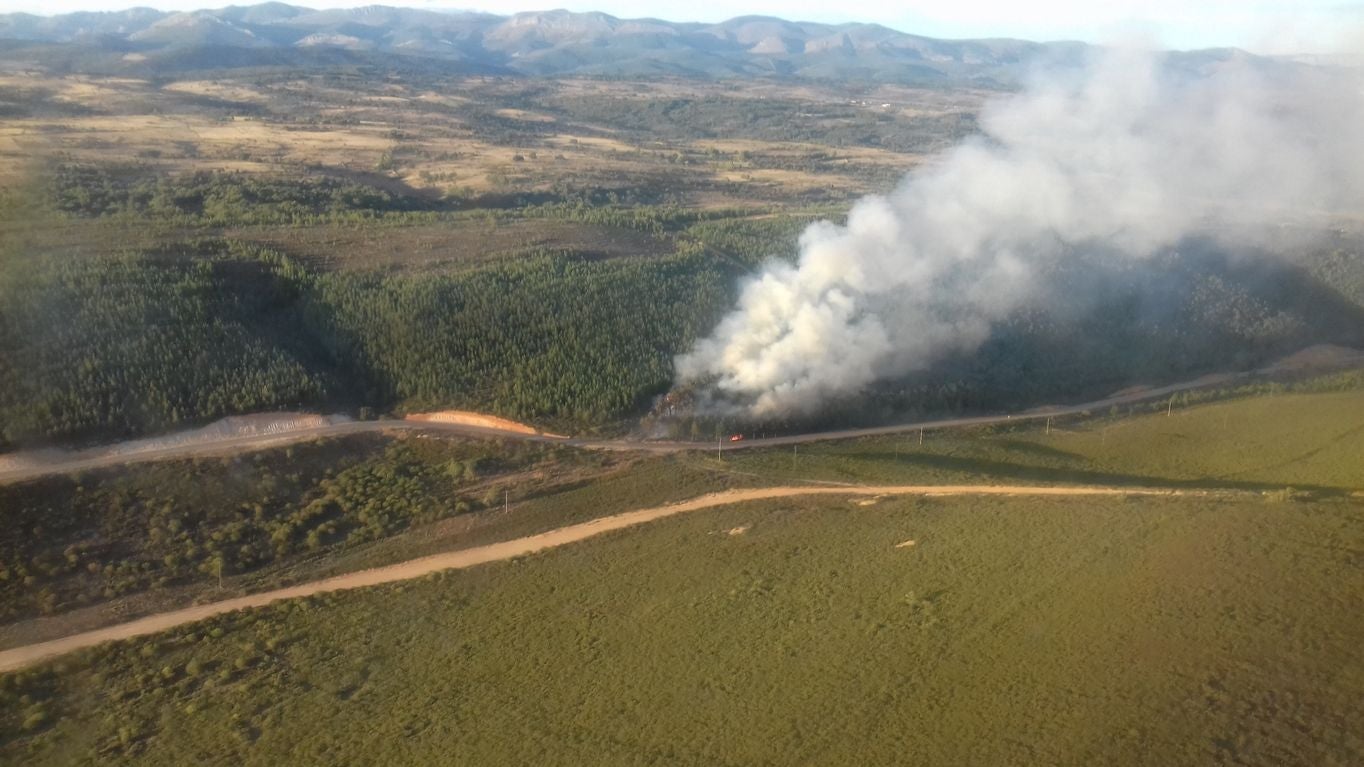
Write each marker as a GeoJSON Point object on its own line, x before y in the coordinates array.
{"type": "Point", "coordinates": [1170, 407]}
{"type": "Point", "coordinates": [718, 443]}
{"type": "Point", "coordinates": [506, 501]}
{"type": "Point", "coordinates": [1049, 424]}
{"type": "Point", "coordinates": [794, 449]}
{"type": "Point", "coordinates": [921, 436]}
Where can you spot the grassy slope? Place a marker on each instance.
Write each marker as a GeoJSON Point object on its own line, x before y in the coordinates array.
{"type": "Point", "coordinates": [1299, 440]}
{"type": "Point", "coordinates": [1151, 631]}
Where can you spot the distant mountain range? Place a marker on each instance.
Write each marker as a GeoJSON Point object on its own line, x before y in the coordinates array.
{"type": "Point", "coordinates": [548, 43]}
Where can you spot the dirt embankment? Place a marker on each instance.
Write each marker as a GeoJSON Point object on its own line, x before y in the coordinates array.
{"type": "Point", "coordinates": [480, 420]}
{"type": "Point", "coordinates": [257, 426]}
{"type": "Point", "coordinates": [21, 657]}
{"type": "Point", "coordinates": [234, 427]}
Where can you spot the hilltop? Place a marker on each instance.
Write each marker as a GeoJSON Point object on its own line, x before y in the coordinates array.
{"type": "Point", "coordinates": [554, 43]}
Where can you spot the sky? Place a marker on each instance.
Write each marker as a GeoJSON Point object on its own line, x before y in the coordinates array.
{"type": "Point", "coordinates": [1262, 26]}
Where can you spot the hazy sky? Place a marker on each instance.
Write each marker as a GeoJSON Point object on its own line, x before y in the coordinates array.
{"type": "Point", "coordinates": [1266, 26]}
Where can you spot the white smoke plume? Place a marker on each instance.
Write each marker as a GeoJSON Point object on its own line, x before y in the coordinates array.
{"type": "Point", "coordinates": [1131, 155]}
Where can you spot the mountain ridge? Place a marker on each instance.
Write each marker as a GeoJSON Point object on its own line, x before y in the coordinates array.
{"type": "Point", "coordinates": [549, 43]}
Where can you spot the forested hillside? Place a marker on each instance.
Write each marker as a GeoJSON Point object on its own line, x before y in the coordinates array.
{"type": "Point", "coordinates": [146, 339]}
{"type": "Point", "coordinates": [174, 251]}
{"type": "Point", "coordinates": [116, 346]}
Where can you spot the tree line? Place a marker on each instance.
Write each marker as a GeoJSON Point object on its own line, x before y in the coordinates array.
{"type": "Point", "coordinates": [130, 342]}
{"type": "Point", "coordinates": [108, 347]}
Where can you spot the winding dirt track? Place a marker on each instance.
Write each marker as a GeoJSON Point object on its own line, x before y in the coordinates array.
{"type": "Point", "coordinates": [20, 657]}
{"type": "Point", "coordinates": [19, 467]}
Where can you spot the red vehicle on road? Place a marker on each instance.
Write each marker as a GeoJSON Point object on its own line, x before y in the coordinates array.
{"type": "Point", "coordinates": [736, 438]}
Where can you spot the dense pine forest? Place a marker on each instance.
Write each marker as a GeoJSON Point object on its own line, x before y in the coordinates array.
{"type": "Point", "coordinates": [128, 341]}
{"type": "Point", "coordinates": [142, 342]}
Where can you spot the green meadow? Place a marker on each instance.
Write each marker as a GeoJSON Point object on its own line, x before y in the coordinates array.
{"type": "Point", "coordinates": [1299, 440]}
{"type": "Point", "coordinates": [1218, 628]}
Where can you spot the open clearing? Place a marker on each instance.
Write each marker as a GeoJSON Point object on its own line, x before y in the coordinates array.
{"type": "Point", "coordinates": [20, 657]}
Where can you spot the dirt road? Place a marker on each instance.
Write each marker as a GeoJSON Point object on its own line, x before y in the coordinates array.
{"type": "Point", "coordinates": [21, 657]}
{"type": "Point", "coordinates": [17, 467]}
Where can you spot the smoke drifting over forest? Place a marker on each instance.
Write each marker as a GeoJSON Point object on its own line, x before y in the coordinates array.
{"type": "Point", "coordinates": [1126, 157]}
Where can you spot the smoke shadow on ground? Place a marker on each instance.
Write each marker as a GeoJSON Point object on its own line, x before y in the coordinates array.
{"type": "Point", "coordinates": [1044, 474]}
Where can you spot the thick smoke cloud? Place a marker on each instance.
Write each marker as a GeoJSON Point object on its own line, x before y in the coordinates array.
{"type": "Point", "coordinates": [1129, 155]}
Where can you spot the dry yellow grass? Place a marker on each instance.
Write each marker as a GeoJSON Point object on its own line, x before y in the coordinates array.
{"type": "Point", "coordinates": [792, 179]}
{"type": "Point", "coordinates": [300, 124]}
{"type": "Point", "coordinates": [795, 149]}
{"type": "Point", "coordinates": [570, 142]}
{"type": "Point", "coordinates": [524, 115]}
{"type": "Point", "coordinates": [216, 89]}
{"type": "Point", "coordinates": [447, 99]}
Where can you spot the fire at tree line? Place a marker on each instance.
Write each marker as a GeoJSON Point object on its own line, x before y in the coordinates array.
{"type": "Point", "coordinates": [149, 340]}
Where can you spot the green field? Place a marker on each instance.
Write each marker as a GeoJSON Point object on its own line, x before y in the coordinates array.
{"type": "Point", "coordinates": [1309, 442]}
{"type": "Point", "coordinates": [334, 505]}
{"type": "Point", "coordinates": [1204, 629]}
{"type": "Point", "coordinates": [1014, 632]}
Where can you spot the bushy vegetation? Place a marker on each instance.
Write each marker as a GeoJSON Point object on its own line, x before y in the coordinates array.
{"type": "Point", "coordinates": [770, 119]}
{"type": "Point", "coordinates": [238, 316]}
{"type": "Point", "coordinates": [213, 198]}
{"type": "Point", "coordinates": [69, 541]}
{"type": "Point", "coordinates": [655, 219]}
{"type": "Point", "coordinates": [749, 242]}
{"type": "Point", "coordinates": [1342, 269]}
{"type": "Point", "coordinates": [1013, 631]}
